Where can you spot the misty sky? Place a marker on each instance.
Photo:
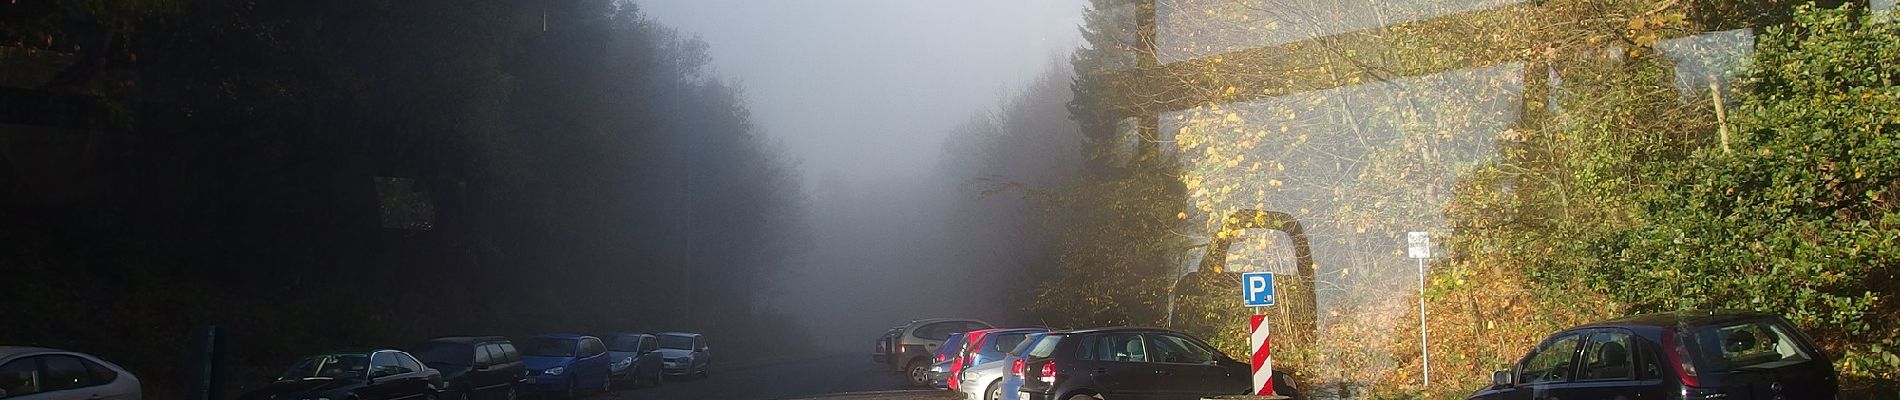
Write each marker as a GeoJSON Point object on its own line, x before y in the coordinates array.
{"type": "Point", "coordinates": [861, 87]}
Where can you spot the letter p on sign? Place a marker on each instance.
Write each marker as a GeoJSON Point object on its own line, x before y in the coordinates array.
{"type": "Point", "coordinates": [1257, 288]}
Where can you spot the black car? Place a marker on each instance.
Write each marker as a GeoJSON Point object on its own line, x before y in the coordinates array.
{"type": "Point", "coordinates": [475, 368]}
{"type": "Point", "coordinates": [1134, 363]}
{"type": "Point", "coordinates": [383, 374]}
{"type": "Point", "coordinates": [1682, 355]}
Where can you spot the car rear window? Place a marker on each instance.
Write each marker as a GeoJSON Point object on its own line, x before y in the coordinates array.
{"type": "Point", "coordinates": [1023, 347]}
{"type": "Point", "coordinates": [1045, 347]}
{"type": "Point", "coordinates": [1006, 342]}
{"type": "Point", "coordinates": [1748, 345]}
{"type": "Point", "coordinates": [951, 345]}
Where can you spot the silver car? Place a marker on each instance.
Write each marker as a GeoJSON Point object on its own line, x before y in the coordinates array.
{"type": "Point", "coordinates": [33, 373]}
{"type": "Point", "coordinates": [984, 381]}
{"type": "Point", "coordinates": [685, 354]}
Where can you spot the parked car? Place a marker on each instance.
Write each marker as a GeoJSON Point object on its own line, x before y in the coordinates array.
{"type": "Point", "coordinates": [939, 374]}
{"type": "Point", "coordinates": [1696, 355]}
{"type": "Point", "coordinates": [981, 371]}
{"type": "Point", "coordinates": [33, 373]}
{"type": "Point", "coordinates": [913, 347]}
{"type": "Point", "coordinates": [636, 357]}
{"type": "Point", "coordinates": [1012, 383]}
{"type": "Point", "coordinates": [380, 374]}
{"type": "Point", "coordinates": [474, 368]}
{"type": "Point", "coordinates": [881, 352]}
{"type": "Point", "coordinates": [983, 382]}
{"type": "Point", "coordinates": [565, 363]}
{"type": "Point", "coordinates": [685, 354]}
{"type": "Point", "coordinates": [1142, 363]}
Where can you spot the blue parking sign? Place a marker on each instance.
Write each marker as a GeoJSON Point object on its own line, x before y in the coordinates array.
{"type": "Point", "coordinates": [1257, 288]}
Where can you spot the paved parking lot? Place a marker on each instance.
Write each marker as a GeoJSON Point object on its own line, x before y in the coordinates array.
{"type": "Point", "coordinates": [850, 374]}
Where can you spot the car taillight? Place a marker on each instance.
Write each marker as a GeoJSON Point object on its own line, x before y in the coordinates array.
{"type": "Point", "coordinates": [1678, 350]}
{"type": "Point", "coordinates": [1016, 368]}
{"type": "Point", "coordinates": [1048, 373]}
{"type": "Point", "coordinates": [956, 374]}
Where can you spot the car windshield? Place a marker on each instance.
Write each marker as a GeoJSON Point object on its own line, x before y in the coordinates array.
{"type": "Point", "coordinates": [1748, 345]}
{"type": "Point", "coordinates": [549, 347]}
{"type": "Point", "coordinates": [329, 366]}
{"type": "Point", "coordinates": [624, 343]}
{"type": "Point", "coordinates": [676, 342]}
{"type": "Point", "coordinates": [444, 354]}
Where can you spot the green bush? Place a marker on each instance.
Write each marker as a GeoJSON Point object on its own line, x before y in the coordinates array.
{"type": "Point", "coordinates": [1798, 214]}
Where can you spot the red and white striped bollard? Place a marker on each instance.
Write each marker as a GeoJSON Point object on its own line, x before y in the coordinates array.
{"type": "Point", "coordinates": [1262, 356]}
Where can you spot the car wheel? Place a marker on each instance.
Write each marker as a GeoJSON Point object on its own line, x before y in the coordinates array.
{"type": "Point", "coordinates": [464, 395]}
{"type": "Point", "coordinates": [1085, 397]}
{"type": "Point", "coordinates": [573, 389]}
{"type": "Point", "coordinates": [995, 392]}
{"type": "Point", "coordinates": [429, 396]}
{"type": "Point", "coordinates": [919, 373]}
{"type": "Point", "coordinates": [607, 382]}
{"type": "Point", "coordinates": [511, 394]}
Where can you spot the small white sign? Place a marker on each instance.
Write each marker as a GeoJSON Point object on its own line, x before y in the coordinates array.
{"type": "Point", "coordinates": [1418, 244]}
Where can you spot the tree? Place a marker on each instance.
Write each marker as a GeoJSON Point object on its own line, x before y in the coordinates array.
{"type": "Point", "coordinates": [1797, 215]}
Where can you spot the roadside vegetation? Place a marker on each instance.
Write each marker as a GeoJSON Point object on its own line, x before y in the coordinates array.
{"type": "Point", "coordinates": [1617, 182]}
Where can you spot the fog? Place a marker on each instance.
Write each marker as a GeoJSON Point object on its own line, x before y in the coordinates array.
{"type": "Point", "coordinates": [866, 93]}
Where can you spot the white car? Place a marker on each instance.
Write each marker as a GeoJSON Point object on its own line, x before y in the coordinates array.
{"type": "Point", "coordinates": [32, 373]}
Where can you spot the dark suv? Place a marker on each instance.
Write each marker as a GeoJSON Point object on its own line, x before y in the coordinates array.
{"type": "Point", "coordinates": [1683, 355]}
{"type": "Point", "coordinates": [1142, 363]}
{"type": "Point", "coordinates": [475, 368]}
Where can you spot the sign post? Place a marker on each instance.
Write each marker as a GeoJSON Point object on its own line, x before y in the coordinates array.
{"type": "Point", "coordinates": [1257, 291]}
{"type": "Point", "coordinates": [1419, 247]}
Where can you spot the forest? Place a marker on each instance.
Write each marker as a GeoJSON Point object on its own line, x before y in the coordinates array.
{"type": "Point", "coordinates": [317, 176]}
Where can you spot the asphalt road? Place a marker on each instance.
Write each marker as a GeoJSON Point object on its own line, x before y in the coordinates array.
{"type": "Point", "coordinates": [781, 380]}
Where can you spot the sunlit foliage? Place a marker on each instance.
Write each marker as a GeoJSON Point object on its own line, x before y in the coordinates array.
{"type": "Point", "coordinates": [1576, 160]}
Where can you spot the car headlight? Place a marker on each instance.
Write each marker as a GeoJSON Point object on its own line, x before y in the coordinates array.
{"type": "Point", "coordinates": [556, 371]}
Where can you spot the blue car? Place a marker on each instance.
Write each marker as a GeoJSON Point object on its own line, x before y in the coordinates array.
{"type": "Point", "coordinates": [565, 363]}
{"type": "Point", "coordinates": [939, 374]}
{"type": "Point", "coordinates": [1013, 382]}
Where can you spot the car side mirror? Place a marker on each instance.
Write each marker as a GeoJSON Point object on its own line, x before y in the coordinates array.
{"type": "Point", "coordinates": [1501, 378]}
